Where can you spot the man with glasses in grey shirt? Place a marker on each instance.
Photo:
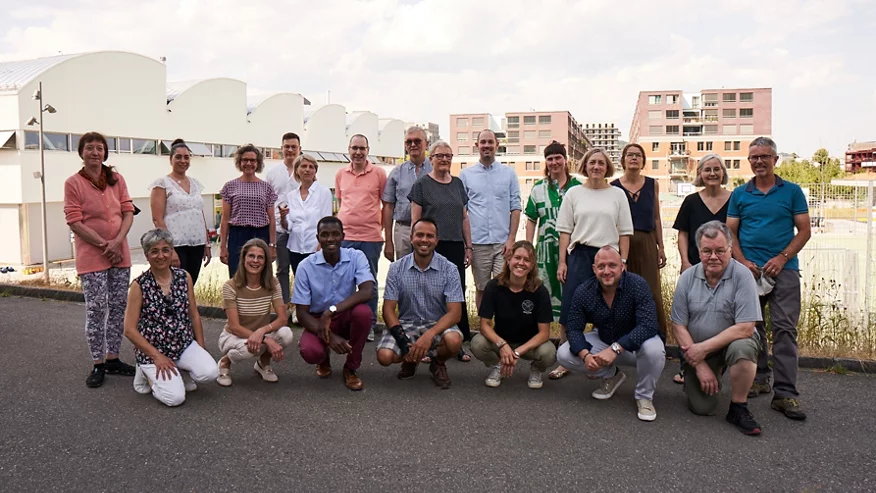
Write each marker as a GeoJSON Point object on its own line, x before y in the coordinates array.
{"type": "Point", "coordinates": [714, 311]}
{"type": "Point", "coordinates": [396, 206]}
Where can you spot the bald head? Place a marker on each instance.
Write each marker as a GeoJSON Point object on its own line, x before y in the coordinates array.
{"type": "Point", "coordinates": [608, 267]}
{"type": "Point", "coordinates": [607, 253]}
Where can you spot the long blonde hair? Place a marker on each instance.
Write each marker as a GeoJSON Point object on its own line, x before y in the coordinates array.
{"type": "Point", "coordinates": [267, 275]}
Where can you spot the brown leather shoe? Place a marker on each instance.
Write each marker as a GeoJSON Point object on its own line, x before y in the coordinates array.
{"type": "Point", "coordinates": [407, 371]}
{"type": "Point", "coordinates": [323, 371]}
{"type": "Point", "coordinates": [439, 374]}
{"type": "Point", "coordinates": [352, 380]}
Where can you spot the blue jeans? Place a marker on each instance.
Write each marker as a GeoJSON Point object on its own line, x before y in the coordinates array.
{"type": "Point", "coordinates": [237, 237]}
{"type": "Point", "coordinates": [579, 268]}
{"type": "Point", "coordinates": [372, 251]}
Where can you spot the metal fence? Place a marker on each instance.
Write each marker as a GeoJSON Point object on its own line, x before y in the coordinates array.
{"type": "Point", "coordinates": [837, 266]}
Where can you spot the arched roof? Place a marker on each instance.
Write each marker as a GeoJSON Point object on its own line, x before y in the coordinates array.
{"type": "Point", "coordinates": [174, 89]}
{"type": "Point", "coordinates": [253, 101]}
{"type": "Point", "coordinates": [17, 74]}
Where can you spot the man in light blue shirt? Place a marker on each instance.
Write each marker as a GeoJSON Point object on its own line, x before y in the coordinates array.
{"type": "Point", "coordinates": [396, 205]}
{"type": "Point", "coordinates": [493, 211]}
{"type": "Point", "coordinates": [425, 288]}
{"type": "Point", "coordinates": [332, 290]}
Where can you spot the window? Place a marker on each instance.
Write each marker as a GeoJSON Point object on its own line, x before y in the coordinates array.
{"type": "Point", "coordinates": [729, 130]}
{"type": "Point", "coordinates": [736, 164]}
{"type": "Point", "coordinates": [51, 141]}
{"type": "Point", "coordinates": [31, 140]}
{"type": "Point", "coordinates": [655, 99]}
{"type": "Point", "coordinates": [463, 165]}
{"type": "Point", "coordinates": [737, 145]}
{"type": "Point", "coordinates": [217, 150]}
{"type": "Point", "coordinates": [512, 150]}
{"type": "Point", "coordinates": [655, 130]}
{"type": "Point", "coordinates": [671, 129]}
{"type": "Point", "coordinates": [533, 165]}
{"type": "Point", "coordinates": [124, 144]}
{"type": "Point", "coordinates": [746, 113]}
{"type": "Point", "coordinates": [462, 136]}
{"type": "Point", "coordinates": [544, 134]}
{"type": "Point", "coordinates": [710, 130]}
{"type": "Point", "coordinates": [701, 146]}
{"type": "Point", "coordinates": [474, 150]}
{"type": "Point", "coordinates": [727, 163]}
{"type": "Point", "coordinates": [544, 120]}
{"type": "Point", "coordinates": [655, 146]}
{"type": "Point", "coordinates": [143, 146]}
{"type": "Point", "coordinates": [729, 113]}
{"type": "Point", "coordinates": [477, 122]}
{"type": "Point", "coordinates": [672, 114]}
{"type": "Point", "coordinates": [672, 99]}
{"type": "Point", "coordinates": [746, 129]}
{"type": "Point", "coordinates": [513, 122]}
{"type": "Point", "coordinates": [695, 102]}
{"type": "Point", "coordinates": [728, 146]}
{"type": "Point", "coordinates": [110, 144]}
{"type": "Point", "coordinates": [513, 136]}
{"type": "Point", "coordinates": [228, 150]}
{"type": "Point", "coordinates": [655, 115]}
{"type": "Point", "coordinates": [710, 100]}
{"type": "Point", "coordinates": [529, 134]}
{"type": "Point", "coordinates": [746, 97]}
{"type": "Point", "coordinates": [729, 97]}
{"type": "Point", "coordinates": [462, 122]}
{"type": "Point", "coordinates": [655, 164]}
{"type": "Point", "coordinates": [529, 149]}
{"type": "Point", "coordinates": [710, 115]}
{"type": "Point", "coordinates": [708, 146]}
{"type": "Point", "coordinates": [464, 151]}
{"type": "Point", "coordinates": [74, 142]}
{"type": "Point", "coordinates": [474, 136]}
{"type": "Point", "coordinates": [529, 120]}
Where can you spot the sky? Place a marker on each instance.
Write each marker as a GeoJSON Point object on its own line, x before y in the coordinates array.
{"type": "Point", "coordinates": [422, 60]}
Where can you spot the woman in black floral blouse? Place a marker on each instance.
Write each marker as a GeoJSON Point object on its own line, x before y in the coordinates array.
{"type": "Point", "coordinates": [162, 322]}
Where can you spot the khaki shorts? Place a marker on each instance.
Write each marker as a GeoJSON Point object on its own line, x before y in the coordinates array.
{"type": "Point", "coordinates": [704, 404]}
{"type": "Point", "coordinates": [401, 239]}
{"type": "Point", "coordinates": [486, 263]}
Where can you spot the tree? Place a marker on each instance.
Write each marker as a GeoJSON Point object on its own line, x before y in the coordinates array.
{"type": "Point", "coordinates": [822, 169]}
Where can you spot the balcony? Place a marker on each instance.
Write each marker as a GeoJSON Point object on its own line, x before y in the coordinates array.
{"type": "Point", "coordinates": [679, 152]}
{"type": "Point", "coordinates": [693, 119]}
{"type": "Point", "coordinates": [693, 133]}
{"type": "Point", "coordinates": [678, 169]}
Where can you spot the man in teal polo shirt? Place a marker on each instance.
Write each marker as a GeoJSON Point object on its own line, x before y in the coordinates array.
{"type": "Point", "coordinates": [763, 215]}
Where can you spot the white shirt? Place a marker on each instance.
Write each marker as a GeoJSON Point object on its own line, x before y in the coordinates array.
{"type": "Point", "coordinates": [305, 214]}
{"type": "Point", "coordinates": [281, 180]}
{"type": "Point", "coordinates": [595, 217]}
{"type": "Point", "coordinates": [184, 211]}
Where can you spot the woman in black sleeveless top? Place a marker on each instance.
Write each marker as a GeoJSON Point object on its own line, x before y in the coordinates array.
{"type": "Point", "coordinates": [647, 256]}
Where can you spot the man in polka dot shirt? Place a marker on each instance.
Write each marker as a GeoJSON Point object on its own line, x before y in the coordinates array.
{"type": "Point", "coordinates": [620, 307]}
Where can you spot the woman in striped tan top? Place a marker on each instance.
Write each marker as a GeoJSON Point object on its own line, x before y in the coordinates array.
{"type": "Point", "coordinates": [248, 298]}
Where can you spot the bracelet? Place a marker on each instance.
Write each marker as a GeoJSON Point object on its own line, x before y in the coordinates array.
{"type": "Point", "coordinates": [469, 248]}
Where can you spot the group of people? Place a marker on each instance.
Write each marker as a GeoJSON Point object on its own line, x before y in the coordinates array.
{"type": "Point", "coordinates": [595, 264]}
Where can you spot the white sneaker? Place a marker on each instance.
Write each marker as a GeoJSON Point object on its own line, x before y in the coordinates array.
{"type": "Point", "coordinates": [371, 335]}
{"type": "Point", "coordinates": [646, 410]}
{"type": "Point", "coordinates": [141, 383]}
{"type": "Point", "coordinates": [609, 385]}
{"type": "Point", "coordinates": [190, 384]}
{"type": "Point", "coordinates": [535, 381]}
{"type": "Point", "coordinates": [494, 379]}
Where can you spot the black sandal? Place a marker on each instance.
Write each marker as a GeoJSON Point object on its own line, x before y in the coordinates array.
{"type": "Point", "coordinates": [119, 367]}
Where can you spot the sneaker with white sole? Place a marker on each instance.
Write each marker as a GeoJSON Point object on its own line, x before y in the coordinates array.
{"type": "Point", "coordinates": [646, 410]}
{"type": "Point", "coordinates": [141, 383]}
{"type": "Point", "coordinates": [535, 381]}
{"type": "Point", "coordinates": [190, 384]}
{"type": "Point", "coordinates": [370, 336]}
{"type": "Point", "coordinates": [494, 379]}
{"type": "Point", "coordinates": [609, 385]}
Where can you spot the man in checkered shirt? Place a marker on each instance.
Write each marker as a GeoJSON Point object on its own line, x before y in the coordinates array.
{"type": "Point", "coordinates": [425, 288]}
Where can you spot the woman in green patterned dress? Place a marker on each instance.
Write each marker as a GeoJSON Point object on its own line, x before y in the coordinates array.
{"type": "Point", "coordinates": [541, 211]}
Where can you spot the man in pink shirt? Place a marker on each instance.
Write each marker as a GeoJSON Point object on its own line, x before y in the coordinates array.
{"type": "Point", "coordinates": [359, 189]}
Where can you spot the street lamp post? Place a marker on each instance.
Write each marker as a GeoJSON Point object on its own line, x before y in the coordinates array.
{"type": "Point", "coordinates": [44, 108]}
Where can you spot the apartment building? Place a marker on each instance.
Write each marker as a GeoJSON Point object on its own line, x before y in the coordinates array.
{"type": "Point", "coordinates": [431, 129]}
{"type": "Point", "coordinates": [605, 136]}
{"type": "Point", "coordinates": [522, 138]}
{"type": "Point", "coordinates": [861, 155]}
{"type": "Point", "coordinates": [677, 128]}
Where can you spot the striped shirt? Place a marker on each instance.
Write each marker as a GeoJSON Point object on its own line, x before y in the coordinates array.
{"type": "Point", "coordinates": [253, 305]}
{"type": "Point", "coordinates": [423, 295]}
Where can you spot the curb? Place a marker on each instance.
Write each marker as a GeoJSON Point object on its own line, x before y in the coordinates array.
{"type": "Point", "coordinates": [811, 362]}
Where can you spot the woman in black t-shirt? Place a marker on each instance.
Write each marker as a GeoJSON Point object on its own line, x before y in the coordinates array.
{"type": "Point", "coordinates": [709, 204]}
{"type": "Point", "coordinates": [515, 316]}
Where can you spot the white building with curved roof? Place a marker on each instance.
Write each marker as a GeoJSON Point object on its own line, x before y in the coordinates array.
{"type": "Point", "coordinates": [127, 97]}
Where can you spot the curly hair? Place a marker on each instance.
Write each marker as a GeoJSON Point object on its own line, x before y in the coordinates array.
{"type": "Point", "coordinates": [238, 155]}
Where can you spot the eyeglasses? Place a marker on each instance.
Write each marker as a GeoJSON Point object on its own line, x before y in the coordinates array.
{"type": "Point", "coordinates": [708, 253]}
{"type": "Point", "coordinates": [249, 160]}
{"type": "Point", "coordinates": [413, 141]}
{"type": "Point", "coordinates": [442, 156]}
{"type": "Point", "coordinates": [358, 148]}
{"type": "Point", "coordinates": [762, 157]}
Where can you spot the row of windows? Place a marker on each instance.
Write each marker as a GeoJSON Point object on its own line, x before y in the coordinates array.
{"type": "Point", "coordinates": [474, 122]}
{"type": "Point", "coordinates": [708, 115]}
{"type": "Point", "coordinates": [528, 120]}
{"type": "Point", "coordinates": [680, 147]}
{"type": "Point", "coordinates": [728, 163]}
{"type": "Point", "coordinates": [709, 99]}
{"type": "Point", "coordinates": [744, 129]}
{"type": "Point", "coordinates": [53, 141]}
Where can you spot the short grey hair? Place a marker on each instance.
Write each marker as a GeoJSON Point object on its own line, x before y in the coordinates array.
{"type": "Point", "coordinates": [154, 237]}
{"type": "Point", "coordinates": [711, 230]}
{"type": "Point", "coordinates": [765, 142]}
{"type": "Point", "coordinates": [437, 144]}
{"type": "Point", "coordinates": [417, 128]}
{"type": "Point", "coordinates": [698, 181]}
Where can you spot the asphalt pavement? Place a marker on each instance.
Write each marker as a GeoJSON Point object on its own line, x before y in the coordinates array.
{"type": "Point", "coordinates": [312, 435]}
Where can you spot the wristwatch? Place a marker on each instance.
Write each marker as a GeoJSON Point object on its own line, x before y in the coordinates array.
{"type": "Point", "coordinates": [616, 348]}
{"type": "Point", "coordinates": [272, 245]}
{"type": "Point", "coordinates": [333, 309]}
{"type": "Point", "coordinates": [624, 260]}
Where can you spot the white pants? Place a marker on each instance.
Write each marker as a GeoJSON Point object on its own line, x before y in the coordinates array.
{"type": "Point", "coordinates": [235, 347]}
{"type": "Point", "coordinates": [648, 360]}
{"type": "Point", "coordinates": [196, 360]}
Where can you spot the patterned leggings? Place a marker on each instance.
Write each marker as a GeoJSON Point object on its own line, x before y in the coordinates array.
{"type": "Point", "coordinates": [106, 298]}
